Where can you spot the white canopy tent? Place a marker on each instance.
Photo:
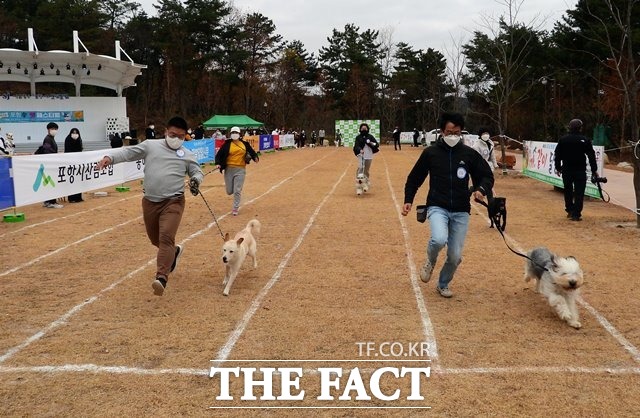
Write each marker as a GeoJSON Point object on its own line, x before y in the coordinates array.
{"type": "Point", "coordinates": [78, 68]}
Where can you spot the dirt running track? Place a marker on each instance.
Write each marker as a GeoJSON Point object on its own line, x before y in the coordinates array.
{"type": "Point", "coordinates": [82, 335]}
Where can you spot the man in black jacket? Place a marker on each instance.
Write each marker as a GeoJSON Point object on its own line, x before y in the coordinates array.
{"type": "Point", "coordinates": [450, 164]}
{"type": "Point", "coordinates": [396, 139]}
{"type": "Point", "coordinates": [570, 162]}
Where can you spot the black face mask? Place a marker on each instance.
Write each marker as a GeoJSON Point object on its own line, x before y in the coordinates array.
{"type": "Point", "coordinates": [364, 131]}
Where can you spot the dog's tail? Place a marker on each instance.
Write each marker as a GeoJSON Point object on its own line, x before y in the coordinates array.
{"type": "Point", "coordinates": [254, 226]}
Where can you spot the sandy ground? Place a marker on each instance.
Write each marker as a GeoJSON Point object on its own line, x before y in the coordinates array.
{"type": "Point", "coordinates": [81, 333]}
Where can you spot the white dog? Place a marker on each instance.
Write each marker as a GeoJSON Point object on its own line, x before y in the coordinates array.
{"type": "Point", "coordinates": [236, 250]}
{"type": "Point", "coordinates": [559, 279]}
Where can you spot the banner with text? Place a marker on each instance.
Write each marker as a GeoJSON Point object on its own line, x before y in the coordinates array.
{"type": "Point", "coordinates": [538, 163]}
{"type": "Point", "coordinates": [37, 178]}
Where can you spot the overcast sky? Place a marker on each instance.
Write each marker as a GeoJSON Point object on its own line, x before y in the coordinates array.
{"type": "Point", "coordinates": [420, 23]}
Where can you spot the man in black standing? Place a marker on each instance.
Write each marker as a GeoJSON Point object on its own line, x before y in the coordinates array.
{"type": "Point", "coordinates": [570, 163]}
{"type": "Point", "coordinates": [416, 135]}
{"type": "Point", "coordinates": [396, 139]}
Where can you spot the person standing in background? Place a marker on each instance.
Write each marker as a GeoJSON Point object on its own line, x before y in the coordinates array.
{"type": "Point", "coordinates": [49, 146]}
{"type": "Point", "coordinates": [73, 143]}
{"type": "Point", "coordinates": [396, 139]}
{"type": "Point", "coordinates": [484, 146]}
{"type": "Point", "coordinates": [571, 164]}
{"type": "Point", "coordinates": [150, 132]}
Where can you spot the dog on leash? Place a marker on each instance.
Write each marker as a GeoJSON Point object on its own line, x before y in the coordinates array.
{"type": "Point", "coordinates": [557, 278]}
{"type": "Point", "coordinates": [235, 250]}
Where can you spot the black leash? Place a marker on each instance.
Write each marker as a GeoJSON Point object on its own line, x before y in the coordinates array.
{"type": "Point", "coordinates": [497, 210]}
{"type": "Point", "coordinates": [212, 214]}
{"type": "Point", "coordinates": [602, 192]}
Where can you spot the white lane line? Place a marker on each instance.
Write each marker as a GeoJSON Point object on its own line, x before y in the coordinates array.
{"type": "Point", "coordinates": [63, 319]}
{"type": "Point", "coordinates": [427, 326]}
{"type": "Point", "coordinates": [224, 352]}
{"type": "Point", "coordinates": [137, 371]}
{"type": "Point", "coordinates": [56, 251]}
{"type": "Point", "coordinates": [617, 335]}
{"type": "Point", "coordinates": [61, 218]}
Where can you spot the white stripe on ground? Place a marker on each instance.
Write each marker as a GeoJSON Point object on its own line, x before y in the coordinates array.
{"type": "Point", "coordinates": [617, 335]}
{"type": "Point", "coordinates": [427, 326]}
{"type": "Point", "coordinates": [224, 352]}
{"type": "Point", "coordinates": [56, 251]}
{"type": "Point", "coordinates": [64, 318]}
{"type": "Point", "coordinates": [61, 218]}
{"type": "Point", "coordinates": [137, 371]}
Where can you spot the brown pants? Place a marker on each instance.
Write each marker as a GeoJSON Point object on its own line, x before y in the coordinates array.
{"type": "Point", "coordinates": [162, 219]}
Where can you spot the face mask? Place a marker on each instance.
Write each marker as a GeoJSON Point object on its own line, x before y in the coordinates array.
{"type": "Point", "coordinates": [174, 143]}
{"type": "Point", "coordinates": [75, 136]}
{"type": "Point", "coordinates": [235, 136]}
{"type": "Point", "coordinates": [151, 127]}
{"type": "Point", "coordinates": [53, 132]}
{"type": "Point", "coordinates": [189, 131]}
{"type": "Point", "coordinates": [364, 131]}
{"type": "Point", "coordinates": [452, 140]}
{"type": "Point", "coordinates": [485, 137]}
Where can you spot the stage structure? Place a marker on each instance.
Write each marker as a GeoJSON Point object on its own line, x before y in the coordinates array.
{"type": "Point", "coordinates": [26, 115]}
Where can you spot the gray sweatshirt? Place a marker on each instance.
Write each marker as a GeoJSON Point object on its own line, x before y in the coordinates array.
{"type": "Point", "coordinates": [164, 168]}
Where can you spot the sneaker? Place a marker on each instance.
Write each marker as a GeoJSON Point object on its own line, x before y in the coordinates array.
{"type": "Point", "coordinates": [177, 256]}
{"type": "Point", "coordinates": [234, 212]}
{"type": "Point", "coordinates": [46, 205]}
{"type": "Point", "coordinates": [158, 286]}
{"type": "Point", "coordinates": [425, 273]}
{"type": "Point", "coordinates": [576, 218]}
{"type": "Point", "coordinates": [445, 293]}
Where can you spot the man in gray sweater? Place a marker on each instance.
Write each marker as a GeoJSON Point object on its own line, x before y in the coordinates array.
{"type": "Point", "coordinates": [167, 163]}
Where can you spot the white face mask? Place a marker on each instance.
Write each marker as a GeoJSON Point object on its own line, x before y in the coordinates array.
{"type": "Point", "coordinates": [174, 143]}
{"type": "Point", "coordinates": [75, 136]}
{"type": "Point", "coordinates": [53, 132]}
{"type": "Point", "coordinates": [235, 136]}
{"type": "Point", "coordinates": [452, 140]}
{"type": "Point", "coordinates": [485, 137]}
{"type": "Point", "coordinates": [151, 127]}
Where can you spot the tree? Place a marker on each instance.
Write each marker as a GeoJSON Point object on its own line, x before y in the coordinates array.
{"type": "Point", "coordinates": [350, 70]}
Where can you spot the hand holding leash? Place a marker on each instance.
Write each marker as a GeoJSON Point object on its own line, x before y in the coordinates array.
{"type": "Point", "coordinates": [194, 186]}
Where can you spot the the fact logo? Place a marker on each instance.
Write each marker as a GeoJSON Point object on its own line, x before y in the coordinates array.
{"type": "Point", "coordinates": [347, 385]}
{"type": "Point", "coordinates": [383, 372]}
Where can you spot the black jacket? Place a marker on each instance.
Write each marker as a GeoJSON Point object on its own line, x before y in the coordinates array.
{"type": "Point", "coordinates": [570, 152]}
{"type": "Point", "coordinates": [49, 145]}
{"type": "Point", "coordinates": [72, 145]}
{"type": "Point", "coordinates": [450, 170]}
{"type": "Point", "coordinates": [223, 153]}
{"type": "Point", "coordinates": [361, 142]}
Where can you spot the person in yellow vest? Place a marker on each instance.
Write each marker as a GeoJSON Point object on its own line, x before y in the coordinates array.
{"type": "Point", "coordinates": [232, 159]}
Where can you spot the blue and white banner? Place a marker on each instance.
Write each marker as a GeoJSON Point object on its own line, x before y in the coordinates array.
{"type": "Point", "coordinates": [24, 116]}
{"type": "Point", "coordinates": [266, 142]}
{"type": "Point", "coordinates": [203, 149]}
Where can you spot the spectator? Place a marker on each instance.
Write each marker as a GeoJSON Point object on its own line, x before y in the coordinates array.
{"type": "Point", "coordinates": [396, 139]}
{"type": "Point", "coordinates": [199, 132]}
{"type": "Point", "coordinates": [167, 163]}
{"type": "Point", "coordinates": [338, 138]}
{"type": "Point", "coordinates": [321, 137]}
{"type": "Point", "coordinates": [73, 143]}
{"type": "Point", "coordinates": [484, 145]}
{"type": "Point", "coordinates": [49, 146]}
{"type": "Point", "coordinates": [570, 163]}
{"type": "Point", "coordinates": [150, 132]}
{"type": "Point", "coordinates": [116, 140]}
{"type": "Point", "coordinates": [416, 136]}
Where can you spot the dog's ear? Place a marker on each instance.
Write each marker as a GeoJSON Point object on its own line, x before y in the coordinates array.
{"type": "Point", "coordinates": [239, 241]}
{"type": "Point", "coordinates": [226, 237]}
{"type": "Point", "coordinates": [553, 263]}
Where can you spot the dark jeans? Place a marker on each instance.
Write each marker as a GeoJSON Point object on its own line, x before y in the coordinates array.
{"type": "Point", "coordinates": [396, 144]}
{"type": "Point", "coordinates": [574, 185]}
